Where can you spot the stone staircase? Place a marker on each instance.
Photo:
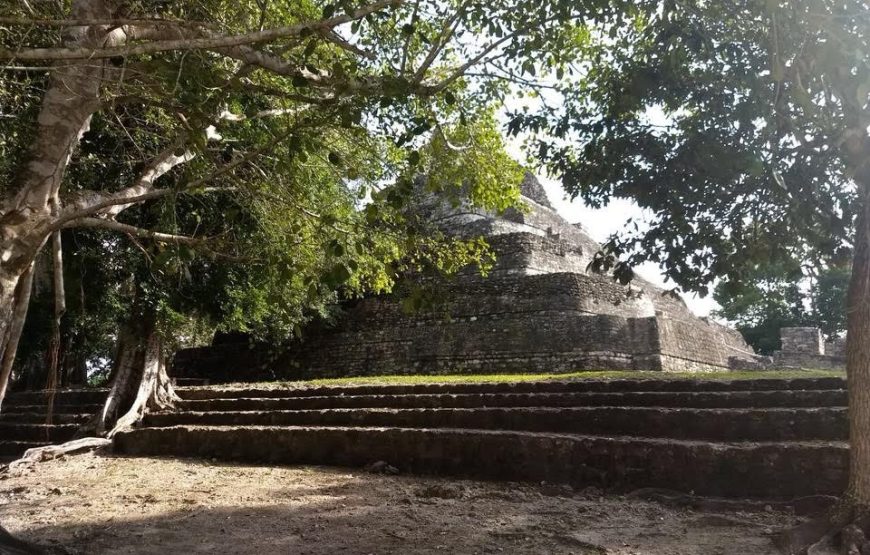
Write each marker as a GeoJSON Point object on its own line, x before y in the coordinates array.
{"type": "Point", "coordinates": [27, 420]}
{"type": "Point", "coordinates": [747, 438]}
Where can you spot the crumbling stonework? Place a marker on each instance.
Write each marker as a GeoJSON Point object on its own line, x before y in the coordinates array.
{"type": "Point", "coordinates": [806, 348]}
{"type": "Point", "coordinates": [802, 347]}
{"type": "Point", "coordinates": [802, 340]}
{"type": "Point", "coordinates": [539, 310]}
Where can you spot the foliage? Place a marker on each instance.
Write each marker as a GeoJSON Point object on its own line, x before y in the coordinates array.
{"type": "Point", "coordinates": [739, 126]}
{"type": "Point", "coordinates": [760, 306]}
{"type": "Point", "coordinates": [772, 298]}
{"type": "Point", "coordinates": [277, 204]}
{"type": "Point", "coordinates": [829, 300]}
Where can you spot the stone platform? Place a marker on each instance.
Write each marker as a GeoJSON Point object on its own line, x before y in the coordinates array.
{"type": "Point", "coordinates": [28, 420]}
{"type": "Point", "coordinates": [540, 309]}
{"type": "Point", "coordinates": [754, 438]}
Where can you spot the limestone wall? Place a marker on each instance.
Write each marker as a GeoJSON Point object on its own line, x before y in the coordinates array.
{"type": "Point", "coordinates": [505, 323]}
{"type": "Point", "coordinates": [544, 323]}
{"type": "Point", "coordinates": [802, 340]}
{"type": "Point", "coordinates": [802, 347]}
{"type": "Point", "coordinates": [698, 345]}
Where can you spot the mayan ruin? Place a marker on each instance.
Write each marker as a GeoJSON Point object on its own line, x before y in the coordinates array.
{"type": "Point", "coordinates": [416, 277]}
{"type": "Point", "coordinates": [540, 309]}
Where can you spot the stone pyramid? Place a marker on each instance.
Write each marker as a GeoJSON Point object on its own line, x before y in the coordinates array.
{"type": "Point", "coordinates": [540, 309]}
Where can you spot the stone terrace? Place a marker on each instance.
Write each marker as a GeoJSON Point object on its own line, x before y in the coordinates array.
{"type": "Point", "coordinates": [746, 438]}
{"type": "Point", "coordinates": [29, 420]}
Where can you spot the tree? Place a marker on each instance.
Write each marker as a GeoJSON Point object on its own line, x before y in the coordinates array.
{"type": "Point", "coordinates": [201, 96]}
{"type": "Point", "coordinates": [741, 126]}
{"type": "Point", "coordinates": [771, 297]}
{"type": "Point", "coordinates": [828, 296]}
{"type": "Point", "coordinates": [763, 304]}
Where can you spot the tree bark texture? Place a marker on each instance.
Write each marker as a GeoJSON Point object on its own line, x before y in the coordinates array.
{"type": "Point", "coordinates": [858, 360]}
{"type": "Point", "coordinates": [139, 380]}
{"type": "Point", "coordinates": [21, 302]}
{"type": "Point", "coordinates": [69, 102]}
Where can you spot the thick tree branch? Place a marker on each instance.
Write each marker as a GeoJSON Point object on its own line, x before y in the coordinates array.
{"type": "Point", "coordinates": [100, 223]}
{"type": "Point", "coordinates": [109, 22]}
{"type": "Point", "coordinates": [96, 203]}
{"type": "Point", "coordinates": [336, 39]}
{"type": "Point", "coordinates": [206, 43]}
{"type": "Point", "coordinates": [89, 203]}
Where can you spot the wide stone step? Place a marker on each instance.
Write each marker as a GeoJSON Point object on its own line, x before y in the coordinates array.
{"type": "Point", "coordinates": [56, 410]}
{"type": "Point", "coordinates": [17, 448]}
{"type": "Point", "coordinates": [769, 469]}
{"type": "Point", "coordinates": [54, 433]}
{"type": "Point", "coordinates": [575, 386]}
{"type": "Point", "coordinates": [63, 396]}
{"type": "Point", "coordinates": [41, 418]}
{"type": "Point", "coordinates": [704, 399]}
{"type": "Point", "coordinates": [712, 424]}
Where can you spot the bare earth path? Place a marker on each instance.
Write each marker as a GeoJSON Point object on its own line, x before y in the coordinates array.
{"type": "Point", "coordinates": [104, 504]}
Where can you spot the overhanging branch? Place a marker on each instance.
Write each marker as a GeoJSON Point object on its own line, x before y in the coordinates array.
{"type": "Point", "coordinates": [205, 43]}
{"type": "Point", "coordinates": [100, 223]}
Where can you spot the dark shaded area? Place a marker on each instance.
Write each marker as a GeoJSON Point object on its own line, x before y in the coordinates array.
{"type": "Point", "coordinates": [10, 545]}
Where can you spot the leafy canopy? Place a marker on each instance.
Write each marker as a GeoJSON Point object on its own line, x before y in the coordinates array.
{"type": "Point", "coordinates": [296, 153]}
{"type": "Point", "coordinates": [741, 126]}
{"type": "Point", "coordinates": [778, 296]}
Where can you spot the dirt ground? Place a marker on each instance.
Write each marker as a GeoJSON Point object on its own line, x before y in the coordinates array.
{"type": "Point", "coordinates": [100, 503]}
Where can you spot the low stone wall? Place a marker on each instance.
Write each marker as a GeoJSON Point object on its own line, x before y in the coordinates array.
{"type": "Point", "coordinates": [768, 470]}
{"type": "Point", "coordinates": [698, 345]}
{"type": "Point", "coordinates": [506, 323]}
{"type": "Point", "coordinates": [802, 347]}
{"type": "Point", "coordinates": [809, 361]}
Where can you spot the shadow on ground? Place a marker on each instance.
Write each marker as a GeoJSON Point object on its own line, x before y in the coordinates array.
{"type": "Point", "coordinates": [98, 505]}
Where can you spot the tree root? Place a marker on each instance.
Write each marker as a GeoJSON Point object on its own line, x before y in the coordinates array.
{"type": "Point", "coordinates": [38, 454]}
{"type": "Point", "coordinates": [140, 383]}
{"type": "Point", "coordinates": [845, 525]}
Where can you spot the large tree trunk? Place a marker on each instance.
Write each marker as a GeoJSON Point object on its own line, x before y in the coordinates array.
{"type": "Point", "coordinates": [139, 380]}
{"type": "Point", "coordinates": [20, 303]}
{"type": "Point", "coordinates": [858, 360]}
{"type": "Point", "coordinates": [70, 100]}
{"type": "Point", "coordinates": [849, 520]}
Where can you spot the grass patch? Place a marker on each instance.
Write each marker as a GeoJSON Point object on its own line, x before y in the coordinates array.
{"type": "Point", "coordinates": [603, 375]}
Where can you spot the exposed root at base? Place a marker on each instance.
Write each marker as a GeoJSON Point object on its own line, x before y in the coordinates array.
{"type": "Point", "coordinates": [844, 525]}
{"type": "Point", "coordinates": [38, 454]}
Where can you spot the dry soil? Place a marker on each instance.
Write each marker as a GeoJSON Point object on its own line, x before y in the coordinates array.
{"type": "Point", "coordinates": [100, 503]}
